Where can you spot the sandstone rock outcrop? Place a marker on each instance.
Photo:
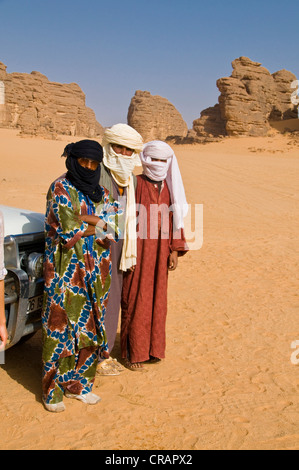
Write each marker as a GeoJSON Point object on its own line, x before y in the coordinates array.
{"type": "Point", "coordinates": [155, 117]}
{"type": "Point", "coordinates": [210, 123]}
{"type": "Point", "coordinates": [37, 106]}
{"type": "Point", "coordinates": [250, 99]}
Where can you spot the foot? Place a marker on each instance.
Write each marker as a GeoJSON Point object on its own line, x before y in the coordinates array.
{"type": "Point", "coordinates": [134, 366]}
{"type": "Point", "coordinates": [88, 398]}
{"type": "Point", "coordinates": [107, 367]}
{"type": "Point", "coordinates": [55, 408]}
{"type": "Point", "coordinates": [117, 365]}
{"type": "Point", "coordinates": [154, 360]}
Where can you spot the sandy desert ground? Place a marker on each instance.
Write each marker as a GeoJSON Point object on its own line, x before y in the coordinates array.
{"type": "Point", "coordinates": [228, 381]}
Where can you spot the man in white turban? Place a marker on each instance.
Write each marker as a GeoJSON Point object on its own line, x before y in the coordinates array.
{"type": "Point", "coordinates": [161, 206]}
{"type": "Point", "coordinates": [122, 145]}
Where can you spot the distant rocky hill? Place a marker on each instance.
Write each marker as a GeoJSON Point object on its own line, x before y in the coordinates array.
{"type": "Point", "coordinates": [250, 101]}
{"type": "Point", "coordinates": [251, 98]}
{"type": "Point", "coordinates": [155, 117]}
{"type": "Point", "coordinates": [36, 106]}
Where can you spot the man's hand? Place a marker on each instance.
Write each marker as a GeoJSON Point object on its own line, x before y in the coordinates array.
{"type": "Point", "coordinates": [3, 336]}
{"type": "Point", "coordinates": [173, 261]}
{"type": "Point", "coordinates": [91, 230]}
{"type": "Point", "coordinates": [92, 220]}
{"type": "Point", "coordinates": [3, 330]}
{"type": "Point", "coordinates": [132, 269]}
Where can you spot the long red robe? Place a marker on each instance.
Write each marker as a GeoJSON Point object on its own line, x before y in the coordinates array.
{"type": "Point", "coordinates": [144, 295]}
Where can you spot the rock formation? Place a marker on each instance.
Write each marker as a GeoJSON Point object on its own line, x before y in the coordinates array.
{"type": "Point", "coordinates": [210, 123]}
{"type": "Point", "coordinates": [155, 117]}
{"type": "Point", "coordinates": [250, 99]}
{"type": "Point", "coordinates": [33, 104]}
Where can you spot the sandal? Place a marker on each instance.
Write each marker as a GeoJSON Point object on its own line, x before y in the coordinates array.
{"type": "Point", "coordinates": [154, 360]}
{"type": "Point", "coordinates": [54, 408]}
{"type": "Point", "coordinates": [87, 398]}
{"type": "Point", "coordinates": [117, 365]}
{"type": "Point", "coordinates": [108, 367]}
{"type": "Point", "coordinates": [134, 366]}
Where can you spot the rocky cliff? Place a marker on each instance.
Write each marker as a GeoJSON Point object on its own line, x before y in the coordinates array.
{"type": "Point", "coordinates": [210, 123]}
{"type": "Point", "coordinates": [155, 117]}
{"type": "Point", "coordinates": [250, 99]}
{"type": "Point", "coordinates": [33, 104]}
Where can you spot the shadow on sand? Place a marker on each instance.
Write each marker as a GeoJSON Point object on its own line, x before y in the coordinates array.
{"type": "Point", "coordinates": [23, 364]}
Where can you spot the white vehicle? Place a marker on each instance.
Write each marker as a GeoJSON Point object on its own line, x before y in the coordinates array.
{"type": "Point", "coordinates": [24, 243]}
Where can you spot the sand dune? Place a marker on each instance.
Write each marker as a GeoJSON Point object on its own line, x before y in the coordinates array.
{"type": "Point", "coordinates": [227, 381]}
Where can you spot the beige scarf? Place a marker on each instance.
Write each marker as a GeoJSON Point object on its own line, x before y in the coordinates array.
{"type": "Point", "coordinates": [121, 168]}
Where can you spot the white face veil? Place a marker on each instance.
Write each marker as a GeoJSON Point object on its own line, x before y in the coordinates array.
{"type": "Point", "coordinates": [121, 168]}
{"type": "Point", "coordinates": [169, 171]}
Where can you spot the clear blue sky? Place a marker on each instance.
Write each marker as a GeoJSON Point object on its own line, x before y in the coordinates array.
{"type": "Point", "coordinates": [173, 48]}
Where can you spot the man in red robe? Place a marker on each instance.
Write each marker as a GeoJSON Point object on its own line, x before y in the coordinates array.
{"type": "Point", "coordinates": [161, 202]}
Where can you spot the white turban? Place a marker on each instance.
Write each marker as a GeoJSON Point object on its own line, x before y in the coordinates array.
{"type": "Point", "coordinates": [169, 171]}
{"type": "Point", "coordinates": [121, 168]}
{"type": "Point", "coordinates": [125, 135]}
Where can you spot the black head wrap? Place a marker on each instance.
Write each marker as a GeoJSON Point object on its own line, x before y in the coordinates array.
{"type": "Point", "coordinates": [84, 179]}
